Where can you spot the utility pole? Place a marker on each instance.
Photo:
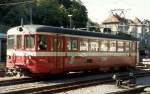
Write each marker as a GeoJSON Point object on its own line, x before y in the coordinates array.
{"type": "Point", "coordinates": [87, 23]}
{"type": "Point", "coordinates": [70, 16]}
{"type": "Point", "coordinates": [120, 12]}
{"type": "Point", "coordinates": [30, 12]}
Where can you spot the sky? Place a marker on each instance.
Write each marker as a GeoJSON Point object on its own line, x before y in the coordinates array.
{"type": "Point", "coordinates": [99, 10]}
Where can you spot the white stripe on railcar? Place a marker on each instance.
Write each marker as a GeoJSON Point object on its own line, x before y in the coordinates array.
{"type": "Point", "coordinates": [82, 54]}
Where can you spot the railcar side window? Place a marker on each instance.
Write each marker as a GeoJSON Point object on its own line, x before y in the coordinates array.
{"type": "Point", "coordinates": [93, 46]}
{"type": "Point", "coordinates": [42, 42]}
{"type": "Point", "coordinates": [72, 44]}
{"type": "Point", "coordinates": [54, 44]}
{"type": "Point", "coordinates": [133, 46]}
{"type": "Point", "coordinates": [19, 41]}
{"type": "Point", "coordinates": [57, 44]}
{"type": "Point", "coordinates": [29, 41]}
{"type": "Point", "coordinates": [112, 46]}
{"type": "Point", "coordinates": [120, 46]}
{"type": "Point", "coordinates": [10, 40]}
{"type": "Point", "coordinates": [83, 45]}
{"type": "Point", "coordinates": [104, 45]}
{"type": "Point", "coordinates": [127, 46]}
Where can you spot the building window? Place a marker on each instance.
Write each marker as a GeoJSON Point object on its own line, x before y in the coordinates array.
{"type": "Point", "coordinates": [10, 43]}
{"type": "Point", "coordinates": [42, 42]}
{"type": "Point", "coordinates": [83, 45]}
{"type": "Point", "coordinates": [29, 41]}
{"type": "Point", "coordinates": [19, 41]}
{"type": "Point", "coordinates": [72, 44]}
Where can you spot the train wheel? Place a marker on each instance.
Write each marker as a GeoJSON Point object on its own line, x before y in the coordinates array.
{"type": "Point", "coordinates": [9, 72]}
{"type": "Point", "coordinates": [116, 69]}
{"type": "Point", "coordinates": [19, 75]}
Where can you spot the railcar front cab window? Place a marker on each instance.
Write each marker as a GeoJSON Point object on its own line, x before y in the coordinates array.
{"type": "Point", "coordinates": [42, 42]}
{"type": "Point", "coordinates": [19, 41]}
{"type": "Point", "coordinates": [10, 43]}
{"type": "Point", "coordinates": [29, 41]}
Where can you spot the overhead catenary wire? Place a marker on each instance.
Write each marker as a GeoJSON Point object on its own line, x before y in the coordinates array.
{"type": "Point", "coordinates": [15, 3]}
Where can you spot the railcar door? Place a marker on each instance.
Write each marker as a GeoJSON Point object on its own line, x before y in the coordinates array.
{"type": "Point", "coordinates": [58, 48]}
{"type": "Point", "coordinates": [3, 50]}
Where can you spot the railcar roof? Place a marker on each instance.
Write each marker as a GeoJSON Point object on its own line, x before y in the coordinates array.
{"type": "Point", "coordinates": [51, 29]}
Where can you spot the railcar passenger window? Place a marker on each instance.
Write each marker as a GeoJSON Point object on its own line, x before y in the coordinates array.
{"type": "Point", "coordinates": [42, 42]}
{"type": "Point", "coordinates": [19, 41]}
{"type": "Point", "coordinates": [127, 46]}
{"type": "Point", "coordinates": [29, 41]}
{"type": "Point", "coordinates": [10, 43]}
{"type": "Point", "coordinates": [120, 46]}
{"type": "Point", "coordinates": [112, 46]}
{"type": "Point", "coordinates": [104, 45]}
{"type": "Point", "coordinates": [93, 46]}
{"type": "Point", "coordinates": [133, 46]}
{"type": "Point", "coordinates": [54, 44]}
{"type": "Point", "coordinates": [72, 44]}
{"type": "Point", "coordinates": [83, 45]}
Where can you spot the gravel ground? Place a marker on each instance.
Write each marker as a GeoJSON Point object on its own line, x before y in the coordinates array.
{"type": "Point", "coordinates": [11, 78]}
{"type": "Point", "coordinates": [99, 89]}
{"type": "Point", "coordinates": [106, 88]}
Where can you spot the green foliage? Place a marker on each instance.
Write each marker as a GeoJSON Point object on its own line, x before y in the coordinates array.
{"type": "Point", "coordinates": [46, 12]}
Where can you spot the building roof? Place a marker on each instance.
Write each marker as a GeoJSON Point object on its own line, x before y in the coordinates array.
{"type": "Point", "coordinates": [114, 19]}
{"type": "Point", "coordinates": [117, 19]}
{"type": "Point", "coordinates": [130, 22]}
{"type": "Point", "coordinates": [137, 21]}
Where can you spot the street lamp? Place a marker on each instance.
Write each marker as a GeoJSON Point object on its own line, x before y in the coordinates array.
{"type": "Point", "coordinates": [70, 16]}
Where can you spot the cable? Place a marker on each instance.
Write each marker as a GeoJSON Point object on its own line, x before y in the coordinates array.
{"type": "Point", "coordinates": [8, 4]}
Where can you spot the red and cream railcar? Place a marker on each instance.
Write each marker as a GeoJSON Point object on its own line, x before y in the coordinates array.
{"type": "Point", "coordinates": [46, 49]}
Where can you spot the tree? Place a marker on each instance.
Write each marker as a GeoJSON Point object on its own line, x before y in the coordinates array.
{"type": "Point", "coordinates": [46, 12]}
{"type": "Point", "coordinates": [49, 12]}
{"type": "Point", "coordinates": [77, 10]}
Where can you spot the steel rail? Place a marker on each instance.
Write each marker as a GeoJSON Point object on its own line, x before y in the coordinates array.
{"type": "Point", "coordinates": [70, 86]}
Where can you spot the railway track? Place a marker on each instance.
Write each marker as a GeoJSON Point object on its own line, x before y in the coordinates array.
{"type": "Point", "coordinates": [2, 72]}
{"type": "Point", "coordinates": [71, 85]}
{"type": "Point", "coordinates": [17, 81]}
{"type": "Point", "coordinates": [135, 90]}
